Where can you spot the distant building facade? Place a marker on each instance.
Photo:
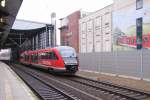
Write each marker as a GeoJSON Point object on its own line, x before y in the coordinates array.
{"type": "Point", "coordinates": [95, 31]}
{"type": "Point", "coordinates": [69, 29]}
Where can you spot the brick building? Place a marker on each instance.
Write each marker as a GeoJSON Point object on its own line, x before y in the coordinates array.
{"type": "Point", "coordinates": [69, 30]}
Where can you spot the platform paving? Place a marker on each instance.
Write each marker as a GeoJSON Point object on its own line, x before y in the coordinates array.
{"type": "Point", "coordinates": [12, 87]}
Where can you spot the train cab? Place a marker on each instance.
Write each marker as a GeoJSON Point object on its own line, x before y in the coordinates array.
{"type": "Point", "coordinates": [69, 58]}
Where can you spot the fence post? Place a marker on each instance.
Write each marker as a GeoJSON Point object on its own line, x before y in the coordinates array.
{"type": "Point", "coordinates": [99, 63]}
{"type": "Point", "coordinates": [116, 62]}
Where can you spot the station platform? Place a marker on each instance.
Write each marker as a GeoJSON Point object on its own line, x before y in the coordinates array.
{"type": "Point", "coordinates": [129, 82]}
{"type": "Point", "coordinates": [12, 87]}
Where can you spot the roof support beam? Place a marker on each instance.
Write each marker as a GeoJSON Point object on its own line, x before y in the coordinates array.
{"type": "Point", "coordinates": [14, 42]}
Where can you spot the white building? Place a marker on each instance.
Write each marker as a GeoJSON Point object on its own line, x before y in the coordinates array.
{"type": "Point", "coordinates": [95, 31]}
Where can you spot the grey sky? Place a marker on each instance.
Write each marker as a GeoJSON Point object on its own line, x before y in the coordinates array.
{"type": "Point", "coordinates": [40, 10]}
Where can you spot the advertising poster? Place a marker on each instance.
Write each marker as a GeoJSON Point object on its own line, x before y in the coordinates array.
{"type": "Point", "coordinates": [125, 27]}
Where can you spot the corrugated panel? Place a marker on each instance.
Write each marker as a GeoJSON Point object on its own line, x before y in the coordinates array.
{"type": "Point", "coordinates": [93, 61]}
{"type": "Point", "coordinates": [107, 62]}
{"type": "Point", "coordinates": [128, 63]}
{"type": "Point", "coordinates": [146, 63]}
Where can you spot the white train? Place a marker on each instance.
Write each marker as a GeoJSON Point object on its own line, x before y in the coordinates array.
{"type": "Point", "coordinates": [5, 54]}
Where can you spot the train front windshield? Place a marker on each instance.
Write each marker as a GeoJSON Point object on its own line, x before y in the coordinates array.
{"type": "Point", "coordinates": [69, 55]}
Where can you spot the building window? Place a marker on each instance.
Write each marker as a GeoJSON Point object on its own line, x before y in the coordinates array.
{"type": "Point", "coordinates": [107, 33]}
{"type": "Point", "coordinates": [67, 43]}
{"type": "Point", "coordinates": [106, 25]}
{"type": "Point", "coordinates": [139, 4]}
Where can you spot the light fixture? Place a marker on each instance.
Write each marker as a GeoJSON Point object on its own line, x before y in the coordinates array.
{"type": "Point", "coordinates": [3, 2]}
{"type": "Point", "coordinates": [1, 20]}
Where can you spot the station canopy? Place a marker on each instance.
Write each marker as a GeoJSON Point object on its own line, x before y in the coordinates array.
{"type": "Point", "coordinates": [8, 12]}
{"type": "Point", "coordinates": [23, 30]}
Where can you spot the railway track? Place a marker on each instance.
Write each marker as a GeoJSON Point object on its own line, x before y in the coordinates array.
{"type": "Point", "coordinates": [42, 88]}
{"type": "Point", "coordinates": [123, 93]}
{"type": "Point", "coordinates": [88, 89]}
{"type": "Point", "coordinates": [105, 90]}
{"type": "Point", "coordinates": [65, 92]}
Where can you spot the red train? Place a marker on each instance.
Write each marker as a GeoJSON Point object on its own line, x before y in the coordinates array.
{"type": "Point", "coordinates": [58, 59]}
{"type": "Point", "coordinates": [131, 41]}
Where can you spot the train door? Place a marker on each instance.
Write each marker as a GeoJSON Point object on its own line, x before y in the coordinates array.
{"type": "Point", "coordinates": [53, 58]}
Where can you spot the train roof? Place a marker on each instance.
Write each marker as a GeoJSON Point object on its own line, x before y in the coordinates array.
{"type": "Point", "coordinates": [47, 50]}
{"type": "Point", "coordinates": [63, 47]}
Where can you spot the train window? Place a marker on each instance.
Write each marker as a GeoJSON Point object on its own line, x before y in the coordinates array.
{"type": "Point", "coordinates": [132, 41]}
{"type": "Point", "coordinates": [34, 57]}
{"type": "Point", "coordinates": [128, 41]}
{"type": "Point", "coordinates": [27, 57]}
{"type": "Point", "coordinates": [48, 55]}
{"type": "Point", "coordinates": [68, 53]}
{"type": "Point", "coordinates": [145, 39]}
{"type": "Point", "coordinates": [52, 55]}
{"type": "Point", "coordinates": [22, 56]}
{"type": "Point", "coordinates": [43, 56]}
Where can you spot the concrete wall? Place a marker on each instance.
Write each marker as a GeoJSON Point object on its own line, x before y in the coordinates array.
{"type": "Point", "coordinates": [130, 63]}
